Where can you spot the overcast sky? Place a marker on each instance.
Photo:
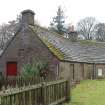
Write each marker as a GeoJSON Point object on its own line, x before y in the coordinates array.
{"type": "Point", "coordinates": [46, 9]}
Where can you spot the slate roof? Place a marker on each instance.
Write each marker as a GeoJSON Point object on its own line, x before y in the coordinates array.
{"type": "Point", "coordinates": [80, 51]}
{"type": "Point", "coordinates": [64, 49]}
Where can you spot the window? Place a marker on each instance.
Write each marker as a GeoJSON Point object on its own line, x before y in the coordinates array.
{"type": "Point", "coordinates": [11, 68]}
{"type": "Point", "coordinates": [99, 72]}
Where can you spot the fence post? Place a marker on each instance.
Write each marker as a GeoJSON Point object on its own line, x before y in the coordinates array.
{"type": "Point", "coordinates": [68, 88]}
{"type": "Point", "coordinates": [44, 94]}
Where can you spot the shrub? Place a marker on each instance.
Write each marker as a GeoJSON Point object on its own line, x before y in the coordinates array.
{"type": "Point", "coordinates": [35, 69]}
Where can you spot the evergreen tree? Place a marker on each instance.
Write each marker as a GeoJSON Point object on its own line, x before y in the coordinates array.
{"type": "Point", "coordinates": [58, 21]}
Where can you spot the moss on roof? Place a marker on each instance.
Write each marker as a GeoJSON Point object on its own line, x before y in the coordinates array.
{"type": "Point", "coordinates": [51, 47]}
{"type": "Point", "coordinates": [92, 43]}
{"type": "Point", "coordinates": [35, 27]}
{"type": "Point", "coordinates": [55, 50]}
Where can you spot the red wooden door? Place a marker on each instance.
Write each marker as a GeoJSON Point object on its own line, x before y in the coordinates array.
{"type": "Point", "coordinates": [11, 68]}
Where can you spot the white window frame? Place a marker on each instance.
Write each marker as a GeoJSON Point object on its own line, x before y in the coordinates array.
{"type": "Point", "coordinates": [99, 71]}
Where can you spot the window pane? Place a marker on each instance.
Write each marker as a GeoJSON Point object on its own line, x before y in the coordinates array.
{"type": "Point", "coordinates": [99, 72]}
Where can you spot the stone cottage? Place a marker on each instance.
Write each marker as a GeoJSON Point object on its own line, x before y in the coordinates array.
{"type": "Point", "coordinates": [24, 48]}
{"type": "Point", "coordinates": [75, 59]}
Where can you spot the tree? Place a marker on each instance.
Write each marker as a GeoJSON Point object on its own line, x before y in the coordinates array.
{"type": "Point", "coordinates": [86, 27]}
{"type": "Point", "coordinates": [58, 21]}
{"type": "Point", "coordinates": [100, 31]}
{"type": "Point", "coordinates": [8, 30]}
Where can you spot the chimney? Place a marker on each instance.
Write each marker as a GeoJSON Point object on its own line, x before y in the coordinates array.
{"type": "Point", "coordinates": [73, 36]}
{"type": "Point", "coordinates": [71, 28]}
{"type": "Point", "coordinates": [28, 17]}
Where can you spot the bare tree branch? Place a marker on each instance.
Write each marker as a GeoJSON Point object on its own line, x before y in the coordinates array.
{"type": "Point", "coordinates": [86, 26]}
{"type": "Point", "coordinates": [100, 32]}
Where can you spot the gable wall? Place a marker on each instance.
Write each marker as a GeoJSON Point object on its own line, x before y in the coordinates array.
{"type": "Point", "coordinates": [27, 48]}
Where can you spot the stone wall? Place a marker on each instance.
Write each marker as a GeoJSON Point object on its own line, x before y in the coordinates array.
{"type": "Point", "coordinates": [73, 70]}
{"type": "Point", "coordinates": [88, 71]}
{"type": "Point", "coordinates": [76, 71]}
{"type": "Point", "coordinates": [64, 70]}
{"type": "Point", "coordinates": [25, 48]}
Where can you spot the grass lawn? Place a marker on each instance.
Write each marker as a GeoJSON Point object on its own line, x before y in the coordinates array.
{"type": "Point", "coordinates": [89, 92]}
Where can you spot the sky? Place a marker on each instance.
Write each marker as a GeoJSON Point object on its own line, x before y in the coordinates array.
{"type": "Point", "coordinates": [45, 10]}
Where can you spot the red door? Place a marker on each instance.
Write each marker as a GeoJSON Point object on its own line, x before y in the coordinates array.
{"type": "Point", "coordinates": [11, 68]}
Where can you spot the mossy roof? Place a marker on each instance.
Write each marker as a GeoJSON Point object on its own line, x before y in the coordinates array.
{"type": "Point", "coordinates": [64, 49]}
{"type": "Point", "coordinates": [56, 51]}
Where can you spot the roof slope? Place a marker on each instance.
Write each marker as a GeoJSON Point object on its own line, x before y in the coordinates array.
{"type": "Point", "coordinates": [64, 49]}
{"type": "Point", "coordinates": [81, 51]}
